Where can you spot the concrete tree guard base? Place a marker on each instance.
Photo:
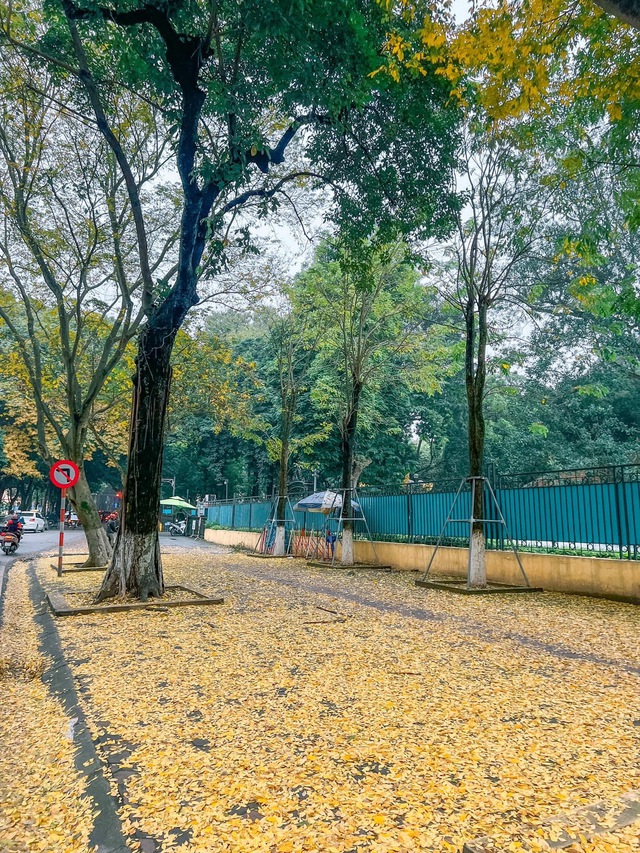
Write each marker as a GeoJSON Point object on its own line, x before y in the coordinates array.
{"type": "Point", "coordinates": [60, 606]}
{"type": "Point", "coordinates": [460, 587]}
{"type": "Point", "coordinates": [323, 564]}
{"type": "Point", "coordinates": [271, 556]}
{"type": "Point", "coordinates": [79, 567]}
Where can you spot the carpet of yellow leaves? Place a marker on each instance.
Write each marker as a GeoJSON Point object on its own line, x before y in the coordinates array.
{"type": "Point", "coordinates": [42, 804]}
{"type": "Point", "coordinates": [321, 709]}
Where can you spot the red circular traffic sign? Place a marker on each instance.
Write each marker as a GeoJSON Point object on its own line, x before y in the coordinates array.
{"type": "Point", "coordinates": [64, 474]}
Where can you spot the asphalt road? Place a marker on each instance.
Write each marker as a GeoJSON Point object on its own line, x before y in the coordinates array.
{"type": "Point", "coordinates": [33, 542]}
{"type": "Point", "coordinates": [74, 542]}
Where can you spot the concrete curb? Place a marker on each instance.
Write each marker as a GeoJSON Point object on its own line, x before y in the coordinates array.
{"type": "Point", "coordinates": [106, 835]}
{"type": "Point", "coordinates": [4, 576]}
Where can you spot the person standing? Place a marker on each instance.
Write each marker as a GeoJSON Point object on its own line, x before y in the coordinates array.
{"type": "Point", "coordinates": [112, 528]}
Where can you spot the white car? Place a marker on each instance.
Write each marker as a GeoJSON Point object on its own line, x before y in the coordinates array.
{"type": "Point", "coordinates": [33, 521]}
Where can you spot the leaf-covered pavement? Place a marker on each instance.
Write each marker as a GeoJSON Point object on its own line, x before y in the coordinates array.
{"type": "Point", "coordinates": [319, 709]}
{"type": "Point", "coordinates": [43, 806]}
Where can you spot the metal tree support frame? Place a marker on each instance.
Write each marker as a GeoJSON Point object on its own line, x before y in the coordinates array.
{"type": "Point", "coordinates": [476, 483]}
{"type": "Point", "coordinates": [342, 518]}
{"type": "Point", "coordinates": [262, 546]}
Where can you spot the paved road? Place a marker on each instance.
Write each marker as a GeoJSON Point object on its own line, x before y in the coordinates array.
{"type": "Point", "coordinates": [180, 543]}
{"type": "Point", "coordinates": [32, 543]}
{"type": "Point", "coordinates": [74, 542]}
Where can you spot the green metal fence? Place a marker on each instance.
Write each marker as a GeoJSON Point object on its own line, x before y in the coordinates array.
{"type": "Point", "coordinates": [588, 512]}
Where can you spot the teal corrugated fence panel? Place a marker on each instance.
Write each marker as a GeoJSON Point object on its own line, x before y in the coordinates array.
{"type": "Point", "coordinates": [260, 514]}
{"type": "Point", "coordinates": [241, 518]}
{"type": "Point", "coordinates": [631, 517]}
{"type": "Point", "coordinates": [226, 515]}
{"type": "Point", "coordinates": [310, 520]}
{"type": "Point", "coordinates": [429, 511]}
{"type": "Point", "coordinates": [386, 516]}
{"type": "Point", "coordinates": [586, 512]}
{"type": "Point", "coordinates": [569, 517]}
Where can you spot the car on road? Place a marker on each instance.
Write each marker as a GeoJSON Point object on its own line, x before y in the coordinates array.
{"type": "Point", "coordinates": [33, 521]}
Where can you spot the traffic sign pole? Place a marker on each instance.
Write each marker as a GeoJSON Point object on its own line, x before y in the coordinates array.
{"type": "Point", "coordinates": [63, 504]}
{"type": "Point", "coordinates": [64, 474]}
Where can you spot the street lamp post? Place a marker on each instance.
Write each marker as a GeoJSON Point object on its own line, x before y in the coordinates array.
{"type": "Point", "coordinates": [171, 480]}
{"type": "Point", "coordinates": [226, 489]}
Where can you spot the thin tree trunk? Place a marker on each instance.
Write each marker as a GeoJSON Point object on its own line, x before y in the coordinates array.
{"type": "Point", "coordinates": [475, 369]}
{"type": "Point", "coordinates": [286, 419]}
{"type": "Point", "coordinates": [28, 495]}
{"type": "Point", "coordinates": [97, 539]}
{"type": "Point", "coordinates": [279, 548]}
{"type": "Point", "coordinates": [348, 455]}
{"type": "Point", "coordinates": [136, 565]}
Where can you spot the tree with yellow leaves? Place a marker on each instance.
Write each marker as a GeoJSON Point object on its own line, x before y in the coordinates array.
{"type": "Point", "coordinates": [19, 472]}
{"type": "Point", "coordinates": [513, 57]}
{"type": "Point", "coordinates": [68, 299]}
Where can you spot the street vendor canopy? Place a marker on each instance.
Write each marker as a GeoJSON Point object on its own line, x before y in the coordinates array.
{"type": "Point", "coordinates": [324, 502]}
{"type": "Point", "coordinates": [177, 502]}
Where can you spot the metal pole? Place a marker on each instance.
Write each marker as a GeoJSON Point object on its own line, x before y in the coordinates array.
{"type": "Point", "coordinates": [366, 524]}
{"type": "Point", "coordinates": [617, 505]}
{"type": "Point", "coordinates": [63, 504]}
{"type": "Point", "coordinates": [513, 547]}
{"type": "Point", "coordinates": [171, 480]}
{"type": "Point", "coordinates": [444, 527]}
{"type": "Point", "coordinates": [315, 481]}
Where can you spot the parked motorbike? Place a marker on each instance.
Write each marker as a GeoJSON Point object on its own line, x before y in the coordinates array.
{"type": "Point", "coordinates": [176, 529]}
{"type": "Point", "coordinates": [9, 542]}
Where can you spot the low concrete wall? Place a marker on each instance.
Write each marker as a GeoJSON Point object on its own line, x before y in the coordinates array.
{"type": "Point", "coordinates": [605, 578]}
{"type": "Point", "coordinates": [232, 537]}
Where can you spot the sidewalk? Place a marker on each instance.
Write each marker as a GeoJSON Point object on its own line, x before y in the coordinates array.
{"type": "Point", "coordinates": [322, 709]}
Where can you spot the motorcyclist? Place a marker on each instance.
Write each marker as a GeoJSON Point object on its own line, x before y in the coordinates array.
{"type": "Point", "coordinates": [13, 525]}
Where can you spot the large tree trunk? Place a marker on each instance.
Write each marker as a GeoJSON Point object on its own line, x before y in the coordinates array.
{"type": "Point", "coordinates": [348, 456]}
{"type": "Point", "coordinates": [626, 10]}
{"type": "Point", "coordinates": [136, 565]}
{"type": "Point", "coordinates": [97, 539]}
{"type": "Point", "coordinates": [475, 369]}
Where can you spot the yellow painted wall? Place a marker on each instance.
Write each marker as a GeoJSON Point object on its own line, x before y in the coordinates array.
{"type": "Point", "coordinates": [232, 537]}
{"type": "Point", "coordinates": [583, 575]}
{"type": "Point", "coordinates": [608, 578]}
